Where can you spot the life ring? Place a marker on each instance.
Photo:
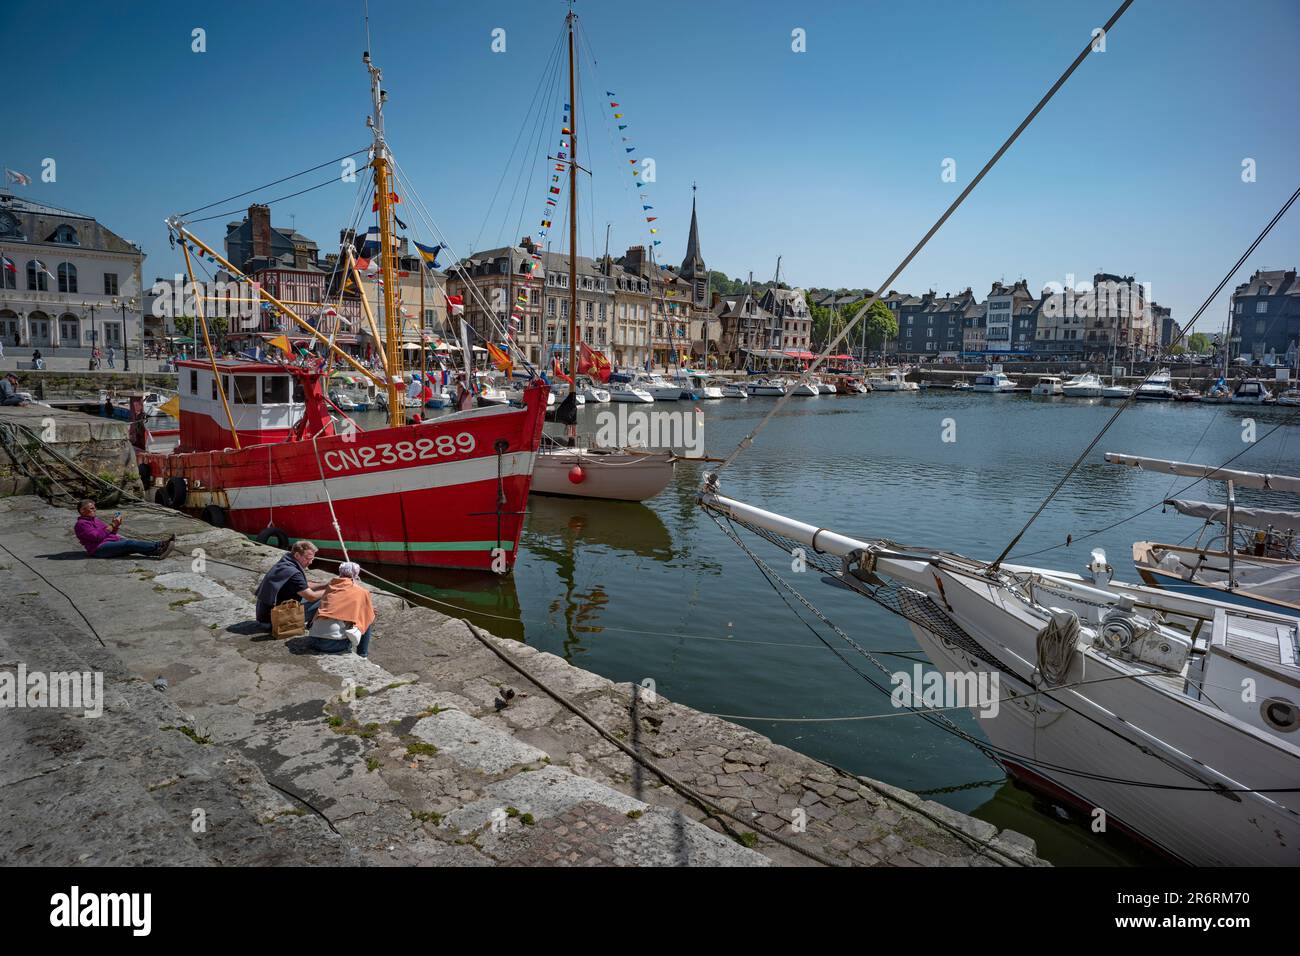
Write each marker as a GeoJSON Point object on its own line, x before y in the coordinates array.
{"type": "Point", "coordinates": [274, 537]}
{"type": "Point", "coordinates": [215, 515]}
{"type": "Point", "coordinates": [176, 489]}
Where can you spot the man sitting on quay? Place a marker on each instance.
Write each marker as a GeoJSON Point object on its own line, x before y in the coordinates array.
{"type": "Point", "coordinates": [9, 394]}
{"type": "Point", "coordinates": [287, 581]}
{"type": "Point", "coordinates": [103, 541]}
{"type": "Point", "coordinates": [346, 615]}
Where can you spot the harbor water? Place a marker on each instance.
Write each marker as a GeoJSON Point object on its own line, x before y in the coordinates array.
{"type": "Point", "coordinates": [636, 591]}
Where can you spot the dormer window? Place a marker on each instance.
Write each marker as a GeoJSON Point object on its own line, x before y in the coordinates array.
{"type": "Point", "coordinates": [65, 234]}
{"type": "Point", "coordinates": [9, 227]}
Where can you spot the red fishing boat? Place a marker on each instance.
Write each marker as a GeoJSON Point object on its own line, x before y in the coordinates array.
{"type": "Point", "coordinates": [260, 451]}
{"type": "Point", "coordinates": [450, 492]}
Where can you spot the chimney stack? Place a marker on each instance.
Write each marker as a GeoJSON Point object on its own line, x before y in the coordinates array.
{"type": "Point", "coordinates": [259, 222]}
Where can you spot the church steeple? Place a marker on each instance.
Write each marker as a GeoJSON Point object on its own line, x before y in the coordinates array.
{"type": "Point", "coordinates": [693, 267]}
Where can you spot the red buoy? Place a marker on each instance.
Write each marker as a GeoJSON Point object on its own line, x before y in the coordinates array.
{"type": "Point", "coordinates": [577, 475]}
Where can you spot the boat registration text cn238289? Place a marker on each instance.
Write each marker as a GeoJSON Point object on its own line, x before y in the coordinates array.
{"type": "Point", "coordinates": [421, 449]}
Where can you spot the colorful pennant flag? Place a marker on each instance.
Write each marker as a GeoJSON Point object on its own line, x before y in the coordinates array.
{"type": "Point", "coordinates": [429, 254]}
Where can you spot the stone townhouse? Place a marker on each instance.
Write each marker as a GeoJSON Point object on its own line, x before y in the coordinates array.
{"type": "Point", "coordinates": [74, 283]}
{"type": "Point", "coordinates": [1264, 316]}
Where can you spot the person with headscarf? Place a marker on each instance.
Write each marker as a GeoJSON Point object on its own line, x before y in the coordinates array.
{"type": "Point", "coordinates": [345, 616]}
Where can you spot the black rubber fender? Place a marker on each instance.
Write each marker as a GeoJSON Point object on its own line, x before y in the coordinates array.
{"type": "Point", "coordinates": [177, 489]}
{"type": "Point", "coordinates": [274, 537]}
{"type": "Point", "coordinates": [215, 515]}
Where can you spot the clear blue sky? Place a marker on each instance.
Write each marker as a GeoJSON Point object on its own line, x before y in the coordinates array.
{"type": "Point", "coordinates": [830, 158]}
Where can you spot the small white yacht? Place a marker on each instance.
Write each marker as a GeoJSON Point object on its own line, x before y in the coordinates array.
{"type": "Point", "coordinates": [1157, 388]}
{"type": "Point", "coordinates": [765, 386]}
{"type": "Point", "coordinates": [659, 387]}
{"type": "Point", "coordinates": [629, 393]}
{"type": "Point", "coordinates": [593, 394]}
{"type": "Point", "coordinates": [1048, 385]}
{"type": "Point", "coordinates": [804, 387]}
{"type": "Point", "coordinates": [732, 389]}
{"type": "Point", "coordinates": [994, 382]}
{"type": "Point", "coordinates": [892, 380]}
{"type": "Point", "coordinates": [1086, 385]}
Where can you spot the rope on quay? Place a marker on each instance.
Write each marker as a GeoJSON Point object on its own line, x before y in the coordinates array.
{"type": "Point", "coordinates": [59, 590]}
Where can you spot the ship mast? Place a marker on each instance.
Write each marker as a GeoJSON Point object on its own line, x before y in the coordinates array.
{"type": "Point", "coordinates": [387, 250]}
{"type": "Point", "coordinates": [573, 226]}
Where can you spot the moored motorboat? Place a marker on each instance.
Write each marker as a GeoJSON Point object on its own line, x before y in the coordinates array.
{"type": "Point", "coordinates": [630, 393]}
{"type": "Point", "coordinates": [1047, 385]}
{"type": "Point", "coordinates": [765, 387]}
{"type": "Point", "coordinates": [997, 382]}
{"type": "Point", "coordinates": [1157, 388]}
{"type": "Point", "coordinates": [892, 380]}
{"type": "Point", "coordinates": [1251, 391]}
{"type": "Point", "coordinates": [1087, 385]}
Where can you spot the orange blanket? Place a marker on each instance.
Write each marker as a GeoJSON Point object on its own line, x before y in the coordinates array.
{"type": "Point", "coordinates": [345, 600]}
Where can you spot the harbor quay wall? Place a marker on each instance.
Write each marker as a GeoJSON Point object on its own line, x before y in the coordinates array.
{"type": "Point", "coordinates": [48, 383]}
{"type": "Point", "coordinates": [218, 744]}
{"type": "Point", "coordinates": [99, 446]}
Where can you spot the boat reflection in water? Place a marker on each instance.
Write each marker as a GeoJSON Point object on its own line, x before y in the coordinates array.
{"type": "Point", "coordinates": [489, 601]}
{"type": "Point", "coordinates": [561, 530]}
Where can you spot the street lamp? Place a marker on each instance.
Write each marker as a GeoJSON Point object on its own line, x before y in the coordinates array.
{"type": "Point", "coordinates": [94, 335]}
{"type": "Point", "coordinates": [126, 345]}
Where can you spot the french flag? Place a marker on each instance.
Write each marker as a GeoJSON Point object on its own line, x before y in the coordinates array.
{"type": "Point", "coordinates": [9, 264]}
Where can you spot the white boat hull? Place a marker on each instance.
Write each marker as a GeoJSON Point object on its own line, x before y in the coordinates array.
{"type": "Point", "coordinates": [1198, 827]}
{"type": "Point", "coordinates": [618, 476]}
{"type": "Point", "coordinates": [630, 395]}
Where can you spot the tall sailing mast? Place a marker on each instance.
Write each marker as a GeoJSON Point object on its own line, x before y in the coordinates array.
{"type": "Point", "coordinates": [573, 226]}
{"type": "Point", "coordinates": [387, 248]}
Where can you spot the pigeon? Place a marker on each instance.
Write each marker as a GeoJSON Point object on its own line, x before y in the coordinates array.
{"type": "Point", "coordinates": [160, 683]}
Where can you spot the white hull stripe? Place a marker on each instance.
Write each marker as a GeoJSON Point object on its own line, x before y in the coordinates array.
{"type": "Point", "coordinates": [376, 484]}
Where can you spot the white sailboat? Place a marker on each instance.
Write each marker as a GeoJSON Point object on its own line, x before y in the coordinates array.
{"type": "Point", "coordinates": [1110, 696]}
{"type": "Point", "coordinates": [570, 469]}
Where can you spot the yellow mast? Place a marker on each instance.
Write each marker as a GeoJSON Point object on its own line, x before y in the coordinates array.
{"type": "Point", "coordinates": [186, 236]}
{"type": "Point", "coordinates": [387, 248]}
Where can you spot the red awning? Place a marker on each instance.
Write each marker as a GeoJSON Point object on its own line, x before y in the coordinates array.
{"type": "Point", "coordinates": [800, 355]}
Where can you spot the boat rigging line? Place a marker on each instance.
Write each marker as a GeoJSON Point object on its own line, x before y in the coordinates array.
{"type": "Point", "coordinates": [1289, 420]}
{"type": "Point", "coordinates": [711, 479]}
{"type": "Point", "coordinates": [992, 568]}
{"type": "Point", "coordinates": [284, 179]}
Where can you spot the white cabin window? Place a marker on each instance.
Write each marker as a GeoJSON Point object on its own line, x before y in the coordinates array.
{"type": "Point", "coordinates": [245, 390]}
{"type": "Point", "coordinates": [275, 390]}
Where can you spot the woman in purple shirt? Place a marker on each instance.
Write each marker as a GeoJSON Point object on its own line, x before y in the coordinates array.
{"type": "Point", "coordinates": [103, 541]}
